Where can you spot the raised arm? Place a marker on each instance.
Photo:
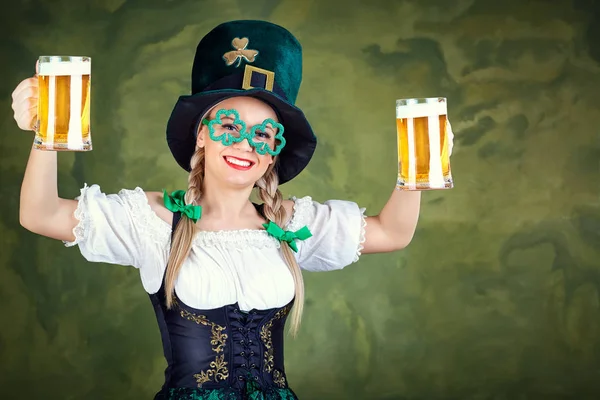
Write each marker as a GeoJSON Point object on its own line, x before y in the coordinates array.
{"type": "Point", "coordinates": [394, 227]}
{"type": "Point", "coordinates": [40, 209]}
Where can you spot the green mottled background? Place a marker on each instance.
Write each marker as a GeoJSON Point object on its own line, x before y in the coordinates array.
{"type": "Point", "coordinates": [497, 298]}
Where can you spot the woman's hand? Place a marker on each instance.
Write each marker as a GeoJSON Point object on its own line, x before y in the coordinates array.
{"type": "Point", "coordinates": [25, 102]}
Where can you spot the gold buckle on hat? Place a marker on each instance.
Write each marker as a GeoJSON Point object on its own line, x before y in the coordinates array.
{"type": "Point", "coordinates": [249, 70]}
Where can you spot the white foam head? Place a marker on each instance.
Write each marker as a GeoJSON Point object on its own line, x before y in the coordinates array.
{"type": "Point", "coordinates": [57, 66]}
{"type": "Point", "coordinates": [413, 109]}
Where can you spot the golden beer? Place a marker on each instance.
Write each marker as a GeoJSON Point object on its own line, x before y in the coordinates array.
{"type": "Point", "coordinates": [423, 148]}
{"type": "Point", "coordinates": [64, 104]}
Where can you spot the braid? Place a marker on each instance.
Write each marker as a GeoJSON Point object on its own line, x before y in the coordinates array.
{"type": "Point", "coordinates": [273, 200]}
{"type": "Point", "coordinates": [195, 178]}
{"type": "Point", "coordinates": [186, 228]}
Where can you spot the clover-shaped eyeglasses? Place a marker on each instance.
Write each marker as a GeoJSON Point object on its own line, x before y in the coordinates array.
{"type": "Point", "coordinates": [228, 128]}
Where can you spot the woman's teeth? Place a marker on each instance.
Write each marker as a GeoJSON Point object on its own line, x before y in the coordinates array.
{"type": "Point", "coordinates": [237, 162]}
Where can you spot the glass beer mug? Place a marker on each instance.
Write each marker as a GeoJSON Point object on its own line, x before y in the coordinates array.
{"type": "Point", "coordinates": [423, 144]}
{"type": "Point", "coordinates": [63, 121]}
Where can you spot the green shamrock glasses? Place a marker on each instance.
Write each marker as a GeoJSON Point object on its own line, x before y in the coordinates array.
{"type": "Point", "coordinates": [228, 128]}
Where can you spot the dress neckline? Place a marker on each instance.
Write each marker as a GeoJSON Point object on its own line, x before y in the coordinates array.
{"type": "Point", "coordinates": [241, 238]}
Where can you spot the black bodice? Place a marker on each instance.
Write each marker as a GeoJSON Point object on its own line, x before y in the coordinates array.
{"type": "Point", "coordinates": [221, 349]}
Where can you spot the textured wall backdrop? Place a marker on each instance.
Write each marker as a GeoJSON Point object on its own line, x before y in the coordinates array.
{"type": "Point", "coordinates": [496, 298]}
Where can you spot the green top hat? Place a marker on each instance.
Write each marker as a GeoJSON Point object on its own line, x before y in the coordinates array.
{"type": "Point", "coordinates": [246, 58]}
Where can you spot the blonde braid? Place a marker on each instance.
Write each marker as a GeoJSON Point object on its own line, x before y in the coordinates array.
{"type": "Point", "coordinates": [273, 210]}
{"type": "Point", "coordinates": [186, 228]}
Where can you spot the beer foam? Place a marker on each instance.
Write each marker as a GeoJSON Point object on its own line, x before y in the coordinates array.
{"type": "Point", "coordinates": [421, 110]}
{"type": "Point", "coordinates": [62, 68]}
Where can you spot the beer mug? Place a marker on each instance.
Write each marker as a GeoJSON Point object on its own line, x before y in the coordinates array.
{"type": "Point", "coordinates": [423, 148]}
{"type": "Point", "coordinates": [63, 121]}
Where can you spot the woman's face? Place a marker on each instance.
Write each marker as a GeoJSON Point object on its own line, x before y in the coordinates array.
{"type": "Point", "coordinates": [237, 164]}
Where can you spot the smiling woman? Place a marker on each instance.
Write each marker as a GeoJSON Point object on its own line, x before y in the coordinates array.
{"type": "Point", "coordinates": [223, 273]}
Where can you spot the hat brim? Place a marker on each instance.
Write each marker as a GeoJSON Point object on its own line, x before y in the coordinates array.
{"type": "Point", "coordinates": [301, 142]}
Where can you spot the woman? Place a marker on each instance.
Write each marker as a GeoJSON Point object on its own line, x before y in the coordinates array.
{"type": "Point", "coordinates": [222, 272]}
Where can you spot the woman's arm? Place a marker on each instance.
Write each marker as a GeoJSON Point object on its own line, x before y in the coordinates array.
{"type": "Point", "coordinates": [394, 227]}
{"type": "Point", "coordinates": [41, 210]}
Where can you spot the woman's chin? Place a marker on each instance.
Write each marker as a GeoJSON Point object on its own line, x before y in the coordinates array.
{"type": "Point", "coordinates": [240, 182]}
{"type": "Point", "coordinates": [235, 179]}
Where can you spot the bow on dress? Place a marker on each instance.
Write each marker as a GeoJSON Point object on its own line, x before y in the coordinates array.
{"type": "Point", "coordinates": [287, 236]}
{"type": "Point", "coordinates": [175, 202]}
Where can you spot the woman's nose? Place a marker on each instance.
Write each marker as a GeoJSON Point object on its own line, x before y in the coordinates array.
{"type": "Point", "coordinates": [243, 145]}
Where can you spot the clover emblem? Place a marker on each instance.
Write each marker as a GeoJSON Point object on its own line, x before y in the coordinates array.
{"type": "Point", "coordinates": [261, 147]}
{"type": "Point", "coordinates": [240, 53]}
{"type": "Point", "coordinates": [226, 138]}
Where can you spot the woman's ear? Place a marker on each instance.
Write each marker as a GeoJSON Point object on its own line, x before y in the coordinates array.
{"type": "Point", "coordinates": [200, 137]}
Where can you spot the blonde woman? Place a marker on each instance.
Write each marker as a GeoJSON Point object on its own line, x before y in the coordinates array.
{"type": "Point", "coordinates": [223, 273]}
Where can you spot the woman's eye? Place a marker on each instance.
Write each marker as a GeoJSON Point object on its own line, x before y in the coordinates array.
{"type": "Point", "coordinates": [230, 127]}
{"type": "Point", "coordinates": [263, 135]}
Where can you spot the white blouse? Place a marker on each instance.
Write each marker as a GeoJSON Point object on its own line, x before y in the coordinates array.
{"type": "Point", "coordinates": [223, 267]}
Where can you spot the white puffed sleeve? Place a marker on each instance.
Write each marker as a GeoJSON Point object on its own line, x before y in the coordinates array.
{"type": "Point", "coordinates": [117, 228]}
{"type": "Point", "coordinates": [338, 233]}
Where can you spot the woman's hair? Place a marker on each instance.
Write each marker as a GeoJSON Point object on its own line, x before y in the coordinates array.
{"type": "Point", "coordinates": [273, 210]}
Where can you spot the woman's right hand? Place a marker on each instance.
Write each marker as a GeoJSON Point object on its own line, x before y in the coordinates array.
{"type": "Point", "coordinates": [25, 102]}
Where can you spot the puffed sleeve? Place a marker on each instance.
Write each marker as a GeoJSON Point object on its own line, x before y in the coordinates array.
{"type": "Point", "coordinates": [338, 233]}
{"type": "Point", "coordinates": [116, 228]}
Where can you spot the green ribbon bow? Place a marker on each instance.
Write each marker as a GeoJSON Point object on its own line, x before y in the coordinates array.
{"type": "Point", "coordinates": [287, 236]}
{"type": "Point", "coordinates": [175, 202]}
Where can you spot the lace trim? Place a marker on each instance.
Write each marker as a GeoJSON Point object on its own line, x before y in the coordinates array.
{"type": "Point", "coordinates": [149, 223]}
{"type": "Point", "coordinates": [300, 213]}
{"type": "Point", "coordinates": [84, 223]}
{"type": "Point", "coordinates": [362, 237]}
{"type": "Point", "coordinates": [237, 240]}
